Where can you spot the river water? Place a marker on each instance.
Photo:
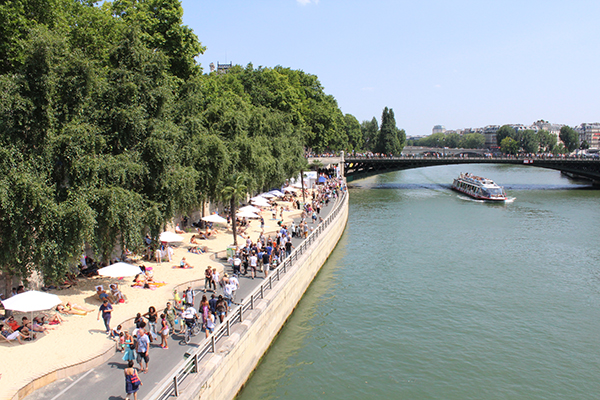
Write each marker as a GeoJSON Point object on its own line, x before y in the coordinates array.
{"type": "Point", "coordinates": [431, 295]}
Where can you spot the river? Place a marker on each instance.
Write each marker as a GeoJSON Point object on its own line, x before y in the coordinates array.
{"type": "Point", "coordinates": [431, 295]}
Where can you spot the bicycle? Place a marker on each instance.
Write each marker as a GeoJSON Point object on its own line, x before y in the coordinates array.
{"type": "Point", "coordinates": [192, 329]}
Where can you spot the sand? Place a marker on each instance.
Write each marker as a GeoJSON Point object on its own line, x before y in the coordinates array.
{"type": "Point", "coordinates": [81, 338]}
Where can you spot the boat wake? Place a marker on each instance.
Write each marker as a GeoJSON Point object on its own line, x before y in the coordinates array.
{"type": "Point", "coordinates": [467, 198]}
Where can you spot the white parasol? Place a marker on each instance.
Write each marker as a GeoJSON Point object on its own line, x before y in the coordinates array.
{"type": "Point", "coordinates": [247, 214]}
{"type": "Point", "coordinates": [276, 193]}
{"type": "Point", "coordinates": [250, 208]}
{"type": "Point", "coordinates": [31, 301]}
{"type": "Point", "coordinates": [290, 189]}
{"type": "Point", "coordinates": [262, 202]}
{"type": "Point", "coordinates": [170, 237]}
{"type": "Point", "coordinates": [268, 195]}
{"type": "Point", "coordinates": [119, 270]}
{"type": "Point", "coordinates": [216, 218]}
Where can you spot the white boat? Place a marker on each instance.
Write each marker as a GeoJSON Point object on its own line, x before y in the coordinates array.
{"type": "Point", "coordinates": [478, 187]}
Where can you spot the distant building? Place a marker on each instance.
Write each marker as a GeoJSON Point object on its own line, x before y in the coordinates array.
{"type": "Point", "coordinates": [438, 129]}
{"type": "Point", "coordinates": [590, 133]}
{"type": "Point", "coordinates": [223, 68]}
{"type": "Point", "coordinates": [490, 132]}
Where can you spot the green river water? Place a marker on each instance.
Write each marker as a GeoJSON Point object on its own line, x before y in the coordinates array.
{"type": "Point", "coordinates": [431, 295]}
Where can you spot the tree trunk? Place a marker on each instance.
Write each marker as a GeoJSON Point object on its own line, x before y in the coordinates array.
{"type": "Point", "coordinates": [302, 181]}
{"type": "Point", "coordinates": [233, 227]}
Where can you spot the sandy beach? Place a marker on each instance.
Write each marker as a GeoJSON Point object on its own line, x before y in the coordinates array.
{"type": "Point", "coordinates": [81, 338]}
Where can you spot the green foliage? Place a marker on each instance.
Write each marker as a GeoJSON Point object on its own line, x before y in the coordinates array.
{"type": "Point", "coordinates": [509, 146]}
{"type": "Point", "coordinates": [472, 141]}
{"type": "Point", "coordinates": [546, 140]}
{"type": "Point", "coordinates": [390, 139]}
{"type": "Point", "coordinates": [369, 130]}
{"type": "Point", "coordinates": [504, 132]}
{"type": "Point", "coordinates": [453, 140]}
{"type": "Point", "coordinates": [584, 145]}
{"type": "Point", "coordinates": [569, 137]}
{"type": "Point", "coordinates": [530, 142]}
{"type": "Point", "coordinates": [109, 128]}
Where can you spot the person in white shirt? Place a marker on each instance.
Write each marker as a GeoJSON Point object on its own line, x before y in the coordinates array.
{"type": "Point", "coordinates": [190, 315]}
{"type": "Point", "coordinates": [253, 260]}
{"type": "Point", "coordinates": [228, 292]}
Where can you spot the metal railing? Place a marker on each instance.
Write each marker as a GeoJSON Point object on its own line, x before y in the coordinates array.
{"type": "Point", "coordinates": [171, 386]}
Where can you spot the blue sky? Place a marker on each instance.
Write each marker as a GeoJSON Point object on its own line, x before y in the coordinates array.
{"type": "Point", "coordinates": [459, 63]}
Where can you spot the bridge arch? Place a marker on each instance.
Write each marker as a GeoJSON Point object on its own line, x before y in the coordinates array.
{"type": "Point", "coordinates": [363, 167]}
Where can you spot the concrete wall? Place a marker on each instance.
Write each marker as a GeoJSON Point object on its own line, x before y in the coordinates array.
{"type": "Point", "coordinates": [223, 373]}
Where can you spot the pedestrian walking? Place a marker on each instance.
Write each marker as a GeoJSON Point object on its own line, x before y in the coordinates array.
{"type": "Point", "coordinates": [143, 350]}
{"type": "Point", "coordinates": [132, 381]}
{"type": "Point", "coordinates": [106, 311]}
{"type": "Point", "coordinates": [207, 278]}
{"type": "Point", "coordinates": [189, 297]}
{"type": "Point", "coordinates": [164, 331]}
{"type": "Point", "coordinates": [129, 354]}
{"type": "Point", "coordinates": [170, 314]}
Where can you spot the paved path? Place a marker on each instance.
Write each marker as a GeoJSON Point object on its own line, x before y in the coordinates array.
{"type": "Point", "coordinates": [107, 380]}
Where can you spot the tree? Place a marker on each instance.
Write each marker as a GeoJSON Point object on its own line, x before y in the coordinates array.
{"type": "Point", "coordinates": [353, 132]}
{"type": "Point", "coordinates": [504, 132]}
{"type": "Point", "coordinates": [472, 141]}
{"type": "Point", "coordinates": [569, 137]}
{"type": "Point", "coordinates": [452, 140]}
{"type": "Point", "coordinates": [584, 145]}
{"type": "Point", "coordinates": [391, 140]}
{"type": "Point", "coordinates": [530, 142]}
{"type": "Point", "coordinates": [370, 131]}
{"type": "Point", "coordinates": [233, 193]}
{"type": "Point", "coordinates": [546, 140]}
{"type": "Point", "coordinates": [509, 146]}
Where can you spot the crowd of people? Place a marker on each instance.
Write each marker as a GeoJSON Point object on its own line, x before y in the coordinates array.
{"type": "Point", "coordinates": [155, 328]}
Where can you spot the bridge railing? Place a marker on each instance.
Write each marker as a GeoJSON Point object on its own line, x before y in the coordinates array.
{"type": "Point", "coordinates": [468, 157]}
{"type": "Point", "coordinates": [171, 386]}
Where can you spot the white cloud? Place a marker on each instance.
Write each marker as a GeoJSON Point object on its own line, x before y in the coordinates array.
{"type": "Point", "coordinates": [306, 2]}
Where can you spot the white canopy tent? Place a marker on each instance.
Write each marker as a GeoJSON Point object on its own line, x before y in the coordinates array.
{"type": "Point", "coordinates": [216, 218]}
{"type": "Point", "coordinates": [247, 214]}
{"type": "Point", "coordinates": [250, 208]}
{"type": "Point", "coordinates": [262, 202]}
{"type": "Point", "coordinates": [277, 193]}
{"type": "Point", "coordinates": [170, 237]}
{"type": "Point", "coordinates": [120, 270]}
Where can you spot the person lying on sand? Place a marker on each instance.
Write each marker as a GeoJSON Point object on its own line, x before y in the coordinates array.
{"type": "Point", "coordinates": [73, 309]}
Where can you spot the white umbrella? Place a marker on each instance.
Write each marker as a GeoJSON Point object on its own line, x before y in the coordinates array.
{"type": "Point", "coordinates": [247, 214]}
{"type": "Point", "coordinates": [276, 193]}
{"type": "Point", "coordinates": [289, 189]}
{"type": "Point", "coordinates": [215, 218]}
{"type": "Point", "coordinates": [170, 237]}
{"type": "Point", "coordinates": [119, 270]}
{"type": "Point", "coordinates": [268, 195]}
{"type": "Point", "coordinates": [31, 301]}
{"type": "Point", "coordinates": [250, 208]}
{"type": "Point", "coordinates": [261, 202]}
{"type": "Point", "coordinates": [299, 184]}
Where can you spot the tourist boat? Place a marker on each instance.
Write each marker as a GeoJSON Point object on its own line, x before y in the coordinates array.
{"type": "Point", "coordinates": [478, 187]}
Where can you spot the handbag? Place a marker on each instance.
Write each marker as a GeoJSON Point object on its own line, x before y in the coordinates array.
{"type": "Point", "coordinates": [135, 380]}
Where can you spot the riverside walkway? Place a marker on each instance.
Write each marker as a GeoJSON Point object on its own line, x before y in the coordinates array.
{"type": "Point", "coordinates": [107, 381]}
